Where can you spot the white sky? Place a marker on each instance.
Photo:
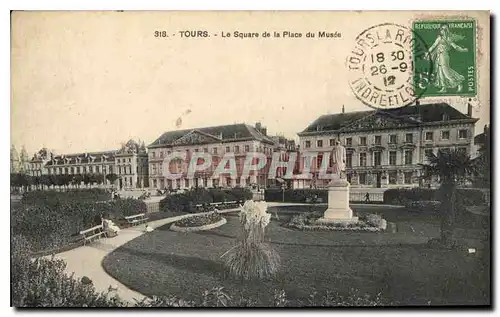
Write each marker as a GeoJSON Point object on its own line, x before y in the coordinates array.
{"type": "Point", "coordinates": [89, 81]}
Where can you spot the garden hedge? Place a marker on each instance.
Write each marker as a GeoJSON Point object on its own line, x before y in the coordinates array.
{"type": "Point", "coordinates": [295, 195]}
{"type": "Point", "coordinates": [187, 201]}
{"type": "Point", "coordinates": [404, 196]}
{"type": "Point", "coordinates": [49, 225]}
{"type": "Point", "coordinates": [52, 197]}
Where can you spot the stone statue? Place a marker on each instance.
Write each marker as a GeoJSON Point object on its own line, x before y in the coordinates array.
{"type": "Point", "coordinates": [338, 160]}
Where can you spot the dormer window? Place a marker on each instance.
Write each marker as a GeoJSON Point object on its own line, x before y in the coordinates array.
{"type": "Point", "coordinates": [446, 117]}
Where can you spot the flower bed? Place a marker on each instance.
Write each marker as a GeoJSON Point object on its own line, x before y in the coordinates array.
{"type": "Point", "coordinates": [308, 221]}
{"type": "Point", "coordinates": [199, 222]}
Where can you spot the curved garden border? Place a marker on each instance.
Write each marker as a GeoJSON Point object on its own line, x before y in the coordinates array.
{"type": "Point", "coordinates": [209, 226]}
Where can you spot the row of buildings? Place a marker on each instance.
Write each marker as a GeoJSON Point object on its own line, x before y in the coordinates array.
{"type": "Point", "coordinates": [384, 149]}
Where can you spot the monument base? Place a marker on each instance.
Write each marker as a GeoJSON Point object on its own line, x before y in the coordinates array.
{"type": "Point", "coordinates": [338, 203]}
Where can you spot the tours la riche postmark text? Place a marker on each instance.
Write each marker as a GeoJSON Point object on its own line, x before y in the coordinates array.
{"type": "Point", "coordinates": [382, 66]}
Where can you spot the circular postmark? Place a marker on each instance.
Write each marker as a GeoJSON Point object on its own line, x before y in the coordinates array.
{"type": "Point", "coordinates": [381, 68]}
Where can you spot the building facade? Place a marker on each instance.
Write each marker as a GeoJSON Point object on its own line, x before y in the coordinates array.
{"type": "Point", "coordinates": [129, 163]}
{"type": "Point", "coordinates": [216, 141]}
{"type": "Point", "coordinates": [384, 148]}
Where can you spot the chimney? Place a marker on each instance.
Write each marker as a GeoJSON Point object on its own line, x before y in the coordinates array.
{"type": "Point", "coordinates": [264, 131]}
{"type": "Point", "coordinates": [469, 108]}
{"type": "Point", "coordinates": [258, 126]}
{"type": "Point", "coordinates": [417, 103]}
{"type": "Point", "coordinates": [343, 109]}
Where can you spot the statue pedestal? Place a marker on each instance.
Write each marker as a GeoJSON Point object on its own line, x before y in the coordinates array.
{"type": "Point", "coordinates": [338, 203]}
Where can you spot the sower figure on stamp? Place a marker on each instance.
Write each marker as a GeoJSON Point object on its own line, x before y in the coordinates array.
{"type": "Point", "coordinates": [338, 162]}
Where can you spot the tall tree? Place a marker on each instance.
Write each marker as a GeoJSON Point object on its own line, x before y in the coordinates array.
{"type": "Point", "coordinates": [452, 168]}
{"type": "Point", "coordinates": [14, 160]}
{"type": "Point", "coordinates": [112, 177]}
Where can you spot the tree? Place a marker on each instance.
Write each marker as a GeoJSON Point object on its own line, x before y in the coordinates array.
{"type": "Point", "coordinates": [112, 177]}
{"type": "Point", "coordinates": [483, 161]}
{"type": "Point", "coordinates": [23, 159]}
{"type": "Point", "coordinates": [46, 180]}
{"type": "Point", "coordinates": [452, 168]}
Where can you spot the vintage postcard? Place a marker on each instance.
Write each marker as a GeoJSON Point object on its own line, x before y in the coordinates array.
{"type": "Point", "coordinates": [250, 158]}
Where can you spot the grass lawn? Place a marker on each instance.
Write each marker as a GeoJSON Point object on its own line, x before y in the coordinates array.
{"type": "Point", "coordinates": [398, 265]}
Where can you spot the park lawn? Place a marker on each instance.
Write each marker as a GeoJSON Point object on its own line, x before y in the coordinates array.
{"type": "Point", "coordinates": [398, 265]}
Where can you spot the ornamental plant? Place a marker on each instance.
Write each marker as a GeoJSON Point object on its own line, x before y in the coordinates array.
{"type": "Point", "coordinates": [251, 257]}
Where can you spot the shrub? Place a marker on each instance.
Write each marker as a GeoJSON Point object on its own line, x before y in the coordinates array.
{"type": "Point", "coordinates": [52, 197]}
{"type": "Point", "coordinates": [47, 226]}
{"type": "Point", "coordinates": [186, 202]}
{"type": "Point", "coordinates": [43, 283]}
{"type": "Point", "coordinates": [308, 221]}
{"type": "Point", "coordinates": [295, 195]}
{"type": "Point", "coordinates": [251, 258]}
{"type": "Point", "coordinates": [405, 196]}
{"type": "Point", "coordinates": [199, 220]}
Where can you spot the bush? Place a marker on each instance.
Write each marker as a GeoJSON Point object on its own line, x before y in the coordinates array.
{"type": "Point", "coordinates": [405, 196]}
{"type": "Point", "coordinates": [295, 195]}
{"type": "Point", "coordinates": [307, 221]}
{"type": "Point", "coordinates": [43, 283]}
{"type": "Point", "coordinates": [48, 226]}
{"type": "Point", "coordinates": [186, 202]}
{"type": "Point", "coordinates": [198, 221]}
{"type": "Point", "coordinates": [52, 197]}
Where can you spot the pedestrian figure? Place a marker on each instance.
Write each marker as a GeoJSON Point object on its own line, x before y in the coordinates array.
{"type": "Point", "coordinates": [367, 197]}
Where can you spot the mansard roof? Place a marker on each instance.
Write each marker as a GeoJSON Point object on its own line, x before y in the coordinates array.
{"type": "Point", "coordinates": [83, 158]}
{"type": "Point", "coordinates": [407, 116]}
{"type": "Point", "coordinates": [222, 133]}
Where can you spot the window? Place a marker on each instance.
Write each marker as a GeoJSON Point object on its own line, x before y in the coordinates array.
{"type": "Point", "coordinates": [228, 149]}
{"type": "Point", "coordinates": [307, 144]}
{"type": "Point", "coordinates": [445, 135]}
{"type": "Point", "coordinates": [348, 159]}
{"type": "Point", "coordinates": [348, 141]}
{"type": "Point", "coordinates": [196, 150]}
{"type": "Point", "coordinates": [111, 169]}
{"type": "Point", "coordinates": [319, 143]}
{"type": "Point", "coordinates": [408, 157]}
{"type": "Point", "coordinates": [393, 178]}
{"type": "Point", "coordinates": [247, 148]}
{"type": "Point", "coordinates": [362, 140]}
{"type": "Point", "coordinates": [407, 177]}
{"type": "Point", "coordinates": [236, 149]}
{"type": "Point", "coordinates": [378, 140]}
{"type": "Point", "coordinates": [362, 178]}
{"type": "Point", "coordinates": [462, 134]}
{"type": "Point", "coordinates": [429, 136]}
{"type": "Point", "coordinates": [65, 170]}
{"type": "Point", "coordinates": [446, 117]}
{"type": "Point", "coordinates": [97, 169]}
{"type": "Point", "coordinates": [462, 150]}
{"type": "Point", "coordinates": [409, 138]}
{"type": "Point", "coordinates": [393, 139]}
{"type": "Point", "coordinates": [362, 159]}
{"type": "Point", "coordinates": [186, 182]}
{"type": "Point", "coordinates": [161, 154]}
{"type": "Point", "coordinates": [392, 158]}
{"type": "Point", "coordinates": [205, 150]}
{"type": "Point", "coordinates": [72, 170]}
{"type": "Point", "coordinates": [214, 150]}
{"type": "Point", "coordinates": [377, 158]}
{"type": "Point", "coordinates": [428, 153]}
{"type": "Point", "coordinates": [153, 155]}
{"type": "Point", "coordinates": [332, 142]}
{"type": "Point", "coordinates": [153, 169]}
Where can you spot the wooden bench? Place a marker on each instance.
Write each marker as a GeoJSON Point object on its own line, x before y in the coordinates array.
{"type": "Point", "coordinates": [136, 219]}
{"type": "Point", "coordinates": [92, 233]}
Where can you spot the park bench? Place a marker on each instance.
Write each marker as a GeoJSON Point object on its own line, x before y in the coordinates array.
{"type": "Point", "coordinates": [92, 233]}
{"type": "Point", "coordinates": [136, 219]}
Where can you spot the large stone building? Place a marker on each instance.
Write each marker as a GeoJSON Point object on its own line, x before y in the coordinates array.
{"type": "Point", "coordinates": [384, 148]}
{"type": "Point", "coordinates": [216, 141]}
{"type": "Point", "coordinates": [129, 163]}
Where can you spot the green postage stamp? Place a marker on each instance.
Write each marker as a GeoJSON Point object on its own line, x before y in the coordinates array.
{"type": "Point", "coordinates": [451, 49]}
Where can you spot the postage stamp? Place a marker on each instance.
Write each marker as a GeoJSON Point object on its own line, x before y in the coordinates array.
{"type": "Point", "coordinates": [452, 51]}
{"type": "Point", "coordinates": [381, 66]}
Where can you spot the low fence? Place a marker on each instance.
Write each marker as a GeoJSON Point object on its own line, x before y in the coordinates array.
{"type": "Point", "coordinates": [378, 197]}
